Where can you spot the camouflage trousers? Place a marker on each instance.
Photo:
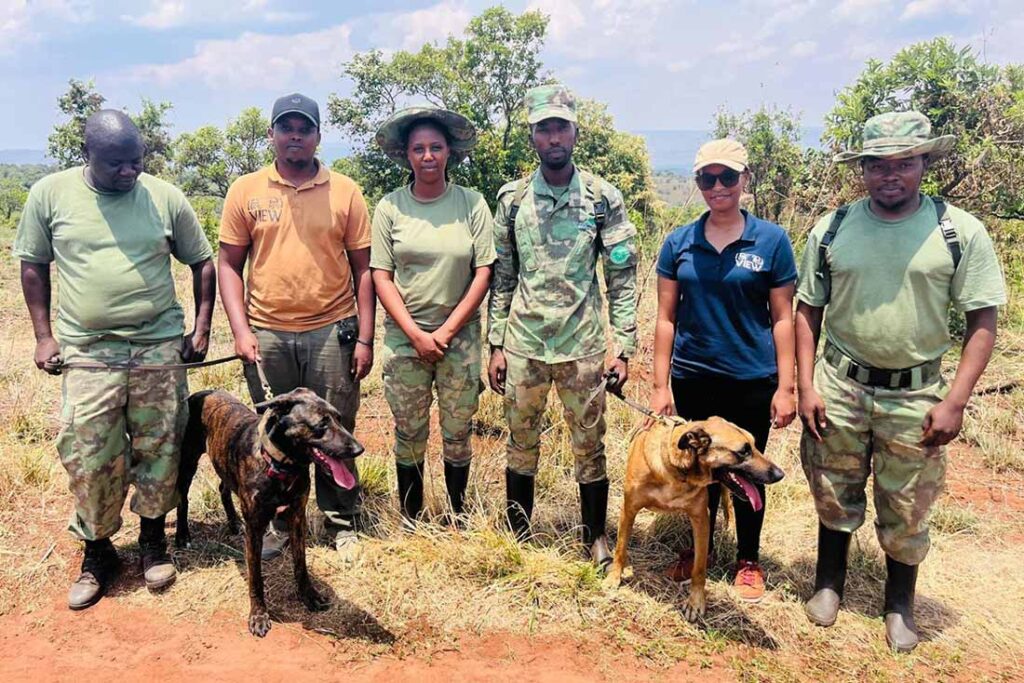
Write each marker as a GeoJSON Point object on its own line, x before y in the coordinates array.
{"type": "Point", "coordinates": [528, 383]}
{"type": "Point", "coordinates": [120, 428]}
{"type": "Point", "coordinates": [408, 388]}
{"type": "Point", "coordinates": [875, 430]}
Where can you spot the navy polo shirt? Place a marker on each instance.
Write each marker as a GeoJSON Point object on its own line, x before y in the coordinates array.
{"type": "Point", "coordinates": [723, 324]}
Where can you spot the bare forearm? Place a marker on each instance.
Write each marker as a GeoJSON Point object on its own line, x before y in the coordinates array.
{"type": "Point", "coordinates": [979, 341]}
{"type": "Point", "coordinates": [232, 295]}
{"type": "Point", "coordinates": [785, 352]}
{"type": "Point", "coordinates": [366, 304]}
{"type": "Point", "coordinates": [35, 286]}
{"type": "Point", "coordinates": [471, 300]}
{"type": "Point", "coordinates": [392, 302]}
{"type": "Point", "coordinates": [664, 336]}
{"type": "Point", "coordinates": [808, 329]}
{"type": "Point", "coordinates": [204, 293]}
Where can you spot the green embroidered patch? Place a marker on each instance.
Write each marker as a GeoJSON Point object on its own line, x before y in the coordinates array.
{"type": "Point", "coordinates": [619, 255]}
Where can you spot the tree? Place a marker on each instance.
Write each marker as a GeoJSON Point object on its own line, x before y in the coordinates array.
{"type": "Point", "coordinates": [13, 195]}
{"type": "Point", "coordinates": [483, 75]}
{"type": "Point", "coordinates": [981, 104]}
{"type": "Point", "coordinates": [208, 160]}
{"type": "Point", "coordinates": [156, 135]}
{"type": "Point", "coordinates": [772, 139]}
{"type": "Point", "coordinates": [66, 144]}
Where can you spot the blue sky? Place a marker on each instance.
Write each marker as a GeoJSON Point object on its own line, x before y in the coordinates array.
{"type": "Point", "coordinates": [659, 64]}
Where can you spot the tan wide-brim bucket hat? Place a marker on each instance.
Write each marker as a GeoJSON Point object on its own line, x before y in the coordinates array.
{"type": "Point", "coordinates": [393, 134]}
{"type": "Point", "coordinates": [899, 135]}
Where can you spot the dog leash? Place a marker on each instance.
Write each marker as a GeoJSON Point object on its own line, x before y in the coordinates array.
{"type": "Point", "coordinates": [615, 390]}
{"type": "Point", "coordinates": [133, 365]}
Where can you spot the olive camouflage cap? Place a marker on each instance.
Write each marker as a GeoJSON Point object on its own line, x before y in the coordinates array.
{"type": "Point", "coordinates": [898, 135]}
{"type": "Point", "coordinates": [552, 101]}
{"type": "Point", "coordinates": [393, 134]}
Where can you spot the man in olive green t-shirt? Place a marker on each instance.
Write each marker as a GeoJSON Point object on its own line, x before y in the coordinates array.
{"type": "Point", "coordinates": [111, 230]}
{"type": "Point", "coordinates": [886, 273]}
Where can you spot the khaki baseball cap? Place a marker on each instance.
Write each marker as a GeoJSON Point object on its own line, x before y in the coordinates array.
{"type": "Point", "coordinates": [726, 152]}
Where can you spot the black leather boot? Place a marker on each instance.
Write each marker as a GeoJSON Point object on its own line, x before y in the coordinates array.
{"type": "Point", "coordinates": [157, 568]}
{"type": "Point", "coordinates": [456, 477]}
{"type": "Point", "coordinates": [594, 511]}
{"type": "Point", "coordinates": [829, 576]}
{"type": "Point", "coordinates": [519, 505]}
{"type": "Point", "coordinates": [900, 586]}
{"type": "Point", "coordinates": [410, 491]}
{"type": "Point", "coordinates": [99, 567]}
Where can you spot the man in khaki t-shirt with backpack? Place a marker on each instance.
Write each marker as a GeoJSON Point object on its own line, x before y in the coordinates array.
{"type": "Point", "coordinates": [887, 268]}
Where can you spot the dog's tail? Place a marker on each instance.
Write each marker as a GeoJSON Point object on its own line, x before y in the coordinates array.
{"type": "Point", "coordinates": [726, 499]}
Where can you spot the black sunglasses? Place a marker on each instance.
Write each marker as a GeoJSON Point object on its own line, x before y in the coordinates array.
{"type": "Point", "coordinates": [728, 178]}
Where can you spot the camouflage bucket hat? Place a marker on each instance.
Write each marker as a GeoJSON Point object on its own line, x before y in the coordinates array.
{"type": "Point", "coordinates": [393, 135]}
{"type": "Point", "coordinates": [898, 135]}
{"type": "Point", "coordinates": [550, 102]}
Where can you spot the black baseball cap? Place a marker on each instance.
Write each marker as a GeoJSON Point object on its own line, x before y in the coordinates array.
{"type": "Point", "coordinates": [295, 104]}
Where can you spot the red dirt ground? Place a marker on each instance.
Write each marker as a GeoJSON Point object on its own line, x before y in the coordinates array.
{"type": "Point", "coordinates": [112, 639]}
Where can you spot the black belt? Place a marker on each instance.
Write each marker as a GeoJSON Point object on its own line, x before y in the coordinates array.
{"type": "Point", "coordinates": [914, 377]}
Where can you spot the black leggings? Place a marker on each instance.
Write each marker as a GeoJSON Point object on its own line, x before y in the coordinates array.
{"type": "Point", "coordinates": [746, 403]}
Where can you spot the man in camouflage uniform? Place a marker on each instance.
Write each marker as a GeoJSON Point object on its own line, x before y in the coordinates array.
{"type": "Point", "coordinates": [878, 402]}
{"type": "Point", "coordinates": [111, 229]}
{"type": "Point", "coordinates": [545, 319]}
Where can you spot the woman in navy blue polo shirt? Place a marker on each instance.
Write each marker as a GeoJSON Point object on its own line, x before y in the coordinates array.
{"type": "Point", "coordinates": [725, 330]}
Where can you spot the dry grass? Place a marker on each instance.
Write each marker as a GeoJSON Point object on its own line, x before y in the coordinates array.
{"type": "Point", "coordinates": [414, 593]}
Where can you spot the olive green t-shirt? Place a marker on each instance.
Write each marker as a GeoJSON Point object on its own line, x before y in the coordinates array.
{"type": "Point", "coordinates": [432, 247]}
{"type": "Point", "coordinates": [112, 252]}
{"type": "Point", "coordinates": [893, 282]}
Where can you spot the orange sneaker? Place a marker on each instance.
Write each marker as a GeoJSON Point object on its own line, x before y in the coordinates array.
{"type": "Point", "coordinates": [749, 583]}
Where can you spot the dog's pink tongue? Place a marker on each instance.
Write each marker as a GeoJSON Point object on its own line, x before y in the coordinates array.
{"type": "Point", "coordinates": [753, 495]}
{"type": "Point", "coordinates": [341, 474]}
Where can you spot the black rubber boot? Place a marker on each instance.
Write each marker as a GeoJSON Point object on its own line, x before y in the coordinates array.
{"type": "Point", "coordinates": [900, 586]}
{"type": "Point", "coordinates": [594, 511]}
{"type": "Point", "coordinates": [410, 491]}
{"type": "Point", "coordinates": [157, 568]}
{"type": "Point", "coordinates": [99, 567]}
{"type": "Point", "coordinates": [456, 477]}
{"type": "Point", "coordinates": [829, 576]}
{"type": "Point", "coordinates": [519, 502]}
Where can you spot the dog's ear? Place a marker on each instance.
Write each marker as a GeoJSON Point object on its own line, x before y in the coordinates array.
{"type": "Point", "coordinates": [282, 403]}
{"type": "Point", "coordinates": [696, 441]}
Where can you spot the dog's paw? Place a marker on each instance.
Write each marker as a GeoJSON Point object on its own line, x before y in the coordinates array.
{"type": "Point", "coordinates": [314, 600]}
{"type": "Point", "coordinates": [259, 624]}
{"type": "Point", "coordinates": [613, 580]}
{"type": "Point", "coordinates": [695, 607]}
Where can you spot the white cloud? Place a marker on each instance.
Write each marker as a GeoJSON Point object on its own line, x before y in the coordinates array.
{"type": "Point", "coordinates": [805, 48]}
{"type": "Point", "coordinates": [603, 28]}
{"type": "Point", "coordinates": [861, 11]}
{"type": "Point", "coordinates": [165, 14]}
{"type": "Point", "coordinates": [923, 9]}
{"type": "Point", "coordinates": [269, 61]}
{"type": "Point", "coordinates": [411, 30]}
{"type": "Point", "coordinates": [20, 19]}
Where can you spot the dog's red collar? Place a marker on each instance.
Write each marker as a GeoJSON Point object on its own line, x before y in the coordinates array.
{"type": "Point", "coordinates": [279, 470]}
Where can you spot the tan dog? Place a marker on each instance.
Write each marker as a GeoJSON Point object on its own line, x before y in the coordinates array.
{"type": "Point", "coordinates": [670, 466]}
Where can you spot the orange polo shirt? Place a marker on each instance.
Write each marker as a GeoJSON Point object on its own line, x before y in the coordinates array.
{"type": "Point", "coordinates": [298, 237]}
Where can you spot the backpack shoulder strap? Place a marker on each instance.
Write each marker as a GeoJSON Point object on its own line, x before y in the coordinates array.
{"type": "Point", "coordinates": [517, 200]}
{"type": "Point", "coordinates": [826, 240]}
{"type": "Point", "coordinates": [948, 231]}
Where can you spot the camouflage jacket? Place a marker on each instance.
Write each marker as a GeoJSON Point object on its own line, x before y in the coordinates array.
{"type": "Point", "coordinates": [545, 298]}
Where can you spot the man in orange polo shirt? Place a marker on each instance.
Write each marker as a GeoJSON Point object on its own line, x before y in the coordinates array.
{"type": "Point", "coordinates": [306, 310]}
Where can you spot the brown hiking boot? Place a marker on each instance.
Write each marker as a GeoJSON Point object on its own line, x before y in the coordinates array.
{"type": "Point", "coordinates": [682, 570]}
{"type": "Point", "coordinates": [157, 568]}
{"type": "Point", "coordinates": [99, 567]}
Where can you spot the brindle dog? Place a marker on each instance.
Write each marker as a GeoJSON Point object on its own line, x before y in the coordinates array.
{"type": "Point", "coordinates": [264, 459]}
{"type": "Point", "coordinates": [670, 466]}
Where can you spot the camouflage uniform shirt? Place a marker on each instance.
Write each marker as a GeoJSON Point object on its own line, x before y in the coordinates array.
{"type": "Point", "coordinates": [545, 298]}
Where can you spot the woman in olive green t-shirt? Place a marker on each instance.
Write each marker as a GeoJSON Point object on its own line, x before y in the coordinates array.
{"type": "Point", "coordinates": [431, 257]}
